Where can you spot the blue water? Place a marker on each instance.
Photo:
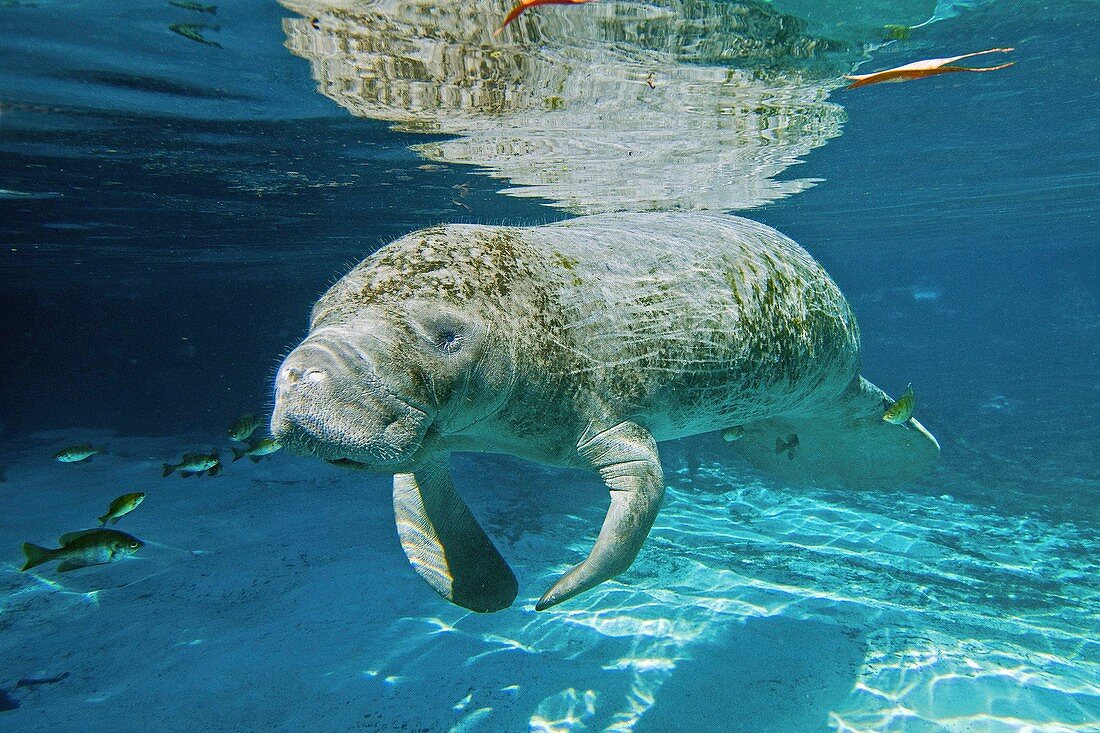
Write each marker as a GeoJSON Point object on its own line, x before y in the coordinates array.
{"type": "Point", "coordinates": [171, 209]}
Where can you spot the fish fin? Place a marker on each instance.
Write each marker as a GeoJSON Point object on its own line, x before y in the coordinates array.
{"type": "Point", "coordinates": [239, 453]}
{"type": "Point", "coordinates": [70, 565]}
{"type": "Point", "coordinates": [168, 468]}
{"type": "Point", "coordinates": [445, 544]}
{"type": "Point", "coordinates": [69, 537]}
{"type": "Point", "coordinates": [185, 474]}
{"type": "Point", "coordinates": [214, 470]}
{"type": "Point", "coordinates": [255, 459]}
{"type": "Point", "coordinates": [114, 520]}
{"type": "Point", "coordinates": [36, 555]}
{"type": "Point", "coordinates": [846, 443]}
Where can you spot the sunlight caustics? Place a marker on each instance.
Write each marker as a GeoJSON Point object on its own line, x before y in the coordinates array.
{"type": "Point", "coordinates": [998, 619]}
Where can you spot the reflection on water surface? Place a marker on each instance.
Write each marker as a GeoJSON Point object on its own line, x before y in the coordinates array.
{"type": "Point", "coordinates": [602, 107]}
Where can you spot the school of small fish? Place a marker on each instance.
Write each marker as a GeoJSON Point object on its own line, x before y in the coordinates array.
{"type": "Point", "coordinates": [99, 546]}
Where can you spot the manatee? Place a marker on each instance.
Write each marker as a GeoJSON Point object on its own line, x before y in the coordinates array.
{"type": "Point", "coordinates": [583, 344]}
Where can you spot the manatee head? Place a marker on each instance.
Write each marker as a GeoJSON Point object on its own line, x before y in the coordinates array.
{"type": "Point", "coordinates": [378, 380]}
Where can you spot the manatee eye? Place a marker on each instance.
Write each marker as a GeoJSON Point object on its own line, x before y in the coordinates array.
{"type": "Point", "coordinates": [448, 341]}
{"type": "Point", "coordinates": [447, 334]}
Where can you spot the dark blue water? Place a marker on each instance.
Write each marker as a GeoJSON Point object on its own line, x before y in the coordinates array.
{"type": "Point", "coordinates": [170, 211]}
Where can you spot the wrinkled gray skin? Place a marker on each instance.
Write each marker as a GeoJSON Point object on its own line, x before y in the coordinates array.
{"type": "Point", "coordinates": [578, 344]}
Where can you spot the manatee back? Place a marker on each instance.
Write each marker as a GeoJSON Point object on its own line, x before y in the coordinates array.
{"type": "Point", "coordinates": [692, 322]}
{"type": "Point", "coordinates": [684, 323]}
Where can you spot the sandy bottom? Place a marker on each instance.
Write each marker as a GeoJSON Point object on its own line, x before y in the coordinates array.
{"type": "Point", "coordinates": [276, 597]}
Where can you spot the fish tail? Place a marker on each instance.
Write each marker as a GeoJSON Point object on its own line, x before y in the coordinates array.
{"type": "Point", "coordinates": [168, 468]}
{"type": "Point", "coordinates": [238, 453]}
{"type": "Point", "coordinates": [780, 446]}
{"type": "Point", "coordinates": [36, 555]}
{"type": "Point", "coordinates": [103, 519]}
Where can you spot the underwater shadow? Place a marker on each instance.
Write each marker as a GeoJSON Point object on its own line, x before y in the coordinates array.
{"type": "Point", "coordinates": [768, 675]}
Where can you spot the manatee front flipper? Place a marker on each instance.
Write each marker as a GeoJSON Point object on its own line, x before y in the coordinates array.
{"type": "Point", "coordinates": [445, 544]}
{"type": "Point", "coordinates": [626, 458]}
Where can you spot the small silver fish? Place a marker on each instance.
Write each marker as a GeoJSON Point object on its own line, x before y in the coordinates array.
{"type": "Point", "coordinates": [122, 506]}
{"type": "Point", "coordinates": [242, 429]}
{"type": "Point", "coordinates": [264, 447]}
{"type": "Point", "coordinates": [78, 453]}
{"type": "Point", "coordinates": [787, 445]}
{"type": "Point", "coordinates": [84, 548]}
{"type": "Point", "coordinates": [900, 411]}
{"type": "Point", "coordinates": [195, 464]}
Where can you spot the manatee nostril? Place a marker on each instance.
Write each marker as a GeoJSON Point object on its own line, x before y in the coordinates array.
{"type": "Point", "coordinates": [293, 375]}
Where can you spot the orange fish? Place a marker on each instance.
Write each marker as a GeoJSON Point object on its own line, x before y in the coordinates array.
{"type": "Point", "coordinates": [921, 69]}
{"type": "Point", "coordinates": [524, 4]}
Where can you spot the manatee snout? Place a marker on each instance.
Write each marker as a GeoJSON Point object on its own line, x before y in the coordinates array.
{"type": "Point", "coordinates": [330, 402]}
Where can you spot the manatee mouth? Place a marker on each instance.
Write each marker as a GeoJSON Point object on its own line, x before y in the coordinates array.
{"type": "Point", "coordinates": [331, 404]}
{"type": "Point", "coordinates": [335, 436]}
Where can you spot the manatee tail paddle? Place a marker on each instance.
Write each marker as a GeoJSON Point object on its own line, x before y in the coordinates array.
{"type": "Point", "coordinates": [36, 555]}
{"type": "Point", "coordinates": [846, 443]}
